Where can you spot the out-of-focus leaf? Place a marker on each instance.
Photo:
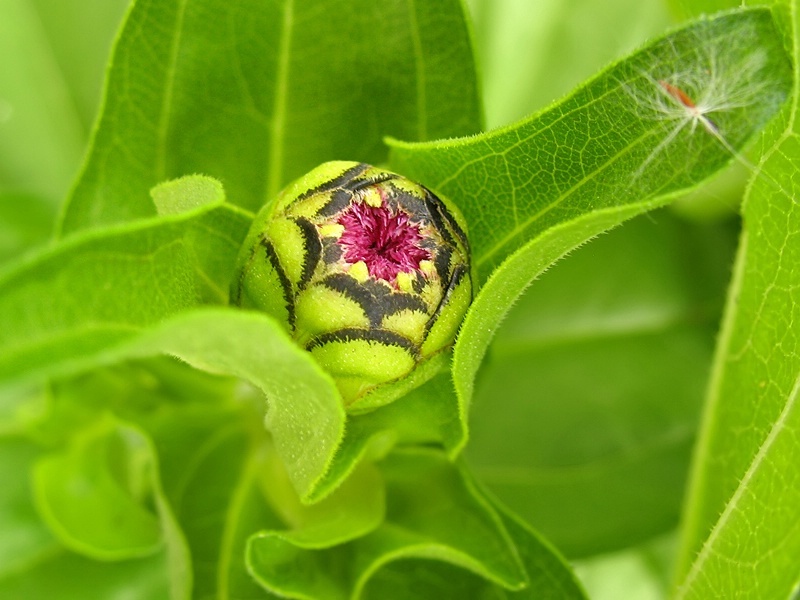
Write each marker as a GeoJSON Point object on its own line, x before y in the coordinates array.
{"type": "Point", "coordinates": [638, 572]}
{"type": "Point", "coordinates": [586, 408]}
{"type": "Point", "coordinates": [532, 52]}
{"type": "Point", "coordinates": [34, 565]}
{"type": "Point", "coordinates": [209, 436]}
{"type": "Point", "coordinates": [24, 537]}
{"type": "Point", "coordinates": [257, 93]}
{"type": "Point", "coordinates": [95, 494]}
{"type": "Point", "coordinates": [49, 87]}
{"type": "Point", "coordinates": [26, 222]}
{"type": "Point", "coordinates": [692, 8]}
{"type": "Point", "coordinates": [41, 136]}
{"type": "Point", "coordinates": [79, 36]}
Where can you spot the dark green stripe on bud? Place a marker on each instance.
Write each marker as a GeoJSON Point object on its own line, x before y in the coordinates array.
{"type": "Point", "coordinates": [368, 270]}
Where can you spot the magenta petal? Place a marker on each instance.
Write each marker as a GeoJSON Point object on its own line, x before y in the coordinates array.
{"type": "Point", "coordinates": [387, 243]}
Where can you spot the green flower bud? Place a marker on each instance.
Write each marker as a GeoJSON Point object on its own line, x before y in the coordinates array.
{"type": "Point", "coordinates": [369, 271]}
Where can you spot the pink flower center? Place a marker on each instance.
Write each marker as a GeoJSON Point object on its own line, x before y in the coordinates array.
{"type": "Point", "coordinates": [388, 243]}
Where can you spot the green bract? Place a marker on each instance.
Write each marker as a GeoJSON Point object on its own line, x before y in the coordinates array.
{"type": "Point", "coordinates": [369, 271]}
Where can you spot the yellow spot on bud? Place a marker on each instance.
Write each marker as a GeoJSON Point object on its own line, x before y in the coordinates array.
{"type": "Point", "coordinates": [359, 271]}
{"type": "Point", "coordinates": [427, 267]}
{"type": "Point", "coordinates": [372, 197]}
{"type": "Point", "coordinates": [331, 230]}
{"type": "Point", "coordinates": [405, 282]}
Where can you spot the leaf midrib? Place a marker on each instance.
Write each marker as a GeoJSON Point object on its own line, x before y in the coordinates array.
{"type": "Point", "coordinates": [278, 125]}
{"type": "Point", "coordinates": [165, 114]}
{"type": "Point", "coordinates": [419, 63]}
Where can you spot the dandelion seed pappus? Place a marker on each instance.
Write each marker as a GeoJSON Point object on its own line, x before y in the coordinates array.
{"type": "Point", "coordinates": [696, 97]}
{"type": "Point", "coordinates": [706, 96]}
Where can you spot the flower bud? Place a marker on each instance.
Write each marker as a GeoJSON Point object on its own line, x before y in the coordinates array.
{"type": "Point", "coordinates": [369, 271]}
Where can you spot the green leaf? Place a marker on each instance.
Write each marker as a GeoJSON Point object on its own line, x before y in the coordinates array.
{"type": "Point", "coordinates": [409, 579]}
{"type": "Point", "coordinates": [34, 565]}
{"type": "Point", "coordinates": [741, 532]}
{"type": "Point", "coordinates": [98, 289]}
{"type": "Point", "coordinates": [614, 149]}
{"type": "Point", "coordinates": [304, 414]}
{"type": "Point", "coordinates": [20, 405]}
{"type": "Point", "coordinates": [255, 94]}
{"type": "Point", "coordinates": [434, 511]}
{"type": "Point", "coordinates": [428, 414]}
{"type": "Point", "coordinates": [66, 576]}
{"type": "Point", "coordinates": [186, 194]}
{"type": "Point", "coordinates": [610, 350]}
{"type": "Point", "coordinates": [93, 494]}
{"type": "Point", "coordinates": [211, 444]}
{"type": "Point", "coordinates": [24, 535]}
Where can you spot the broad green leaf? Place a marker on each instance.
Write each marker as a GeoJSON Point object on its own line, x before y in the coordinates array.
{"type": "Point", "coordinates": [49, 88]}
{"type": "Point", "coordinates": [98, 289]}
{"type": "Point", "coordinates": [586, 408]}
{"type": "Point", "coordinates": [532, 52]}
{"type": "Point", "coordinates": [434, 511]}
{"type": "Point", "coordinates": [257, 93]}
{"type": "Point", "coordinates": [34, 565]}
{"type": "Point", "coordinates": [741, 532]}
{"type": "Point", "coordinates": [617, 147]}
{"type": "Point", "coordinates": [753, 547]}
